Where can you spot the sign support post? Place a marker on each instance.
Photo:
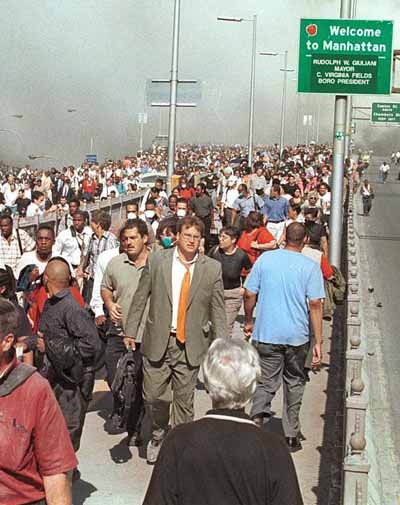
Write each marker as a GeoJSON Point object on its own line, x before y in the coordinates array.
{"type": "Point", "coordinates": [173, 96]}
{"type": "Point", "coordinates": [339, 129]}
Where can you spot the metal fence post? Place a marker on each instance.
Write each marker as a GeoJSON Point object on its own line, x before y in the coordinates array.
{"type": "Point", "coordinates": [355, 470]}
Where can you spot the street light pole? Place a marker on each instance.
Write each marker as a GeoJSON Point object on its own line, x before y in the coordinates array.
{"type": "Point", "coordinates": [351, 11]}
{"type": "Point", "coordinates": [297, 117]}
{"type": "Point", "coordinates": [173, 97]}
{"type": "Point", "coordinates": [252, 80]}
{"type": "Point", "coordinates": [336, 215]}
{"type": "Point", "coordinates": [283, 106]}
{"type": "Point", "coordinates": [285, 70]}
{"type": "Point", "coordinates": [252, 93]}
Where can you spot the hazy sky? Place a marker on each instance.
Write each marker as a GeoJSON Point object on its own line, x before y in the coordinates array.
{"type": "Point", "coordinates": [96, 55]}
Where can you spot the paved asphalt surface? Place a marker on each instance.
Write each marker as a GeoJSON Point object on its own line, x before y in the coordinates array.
{"type": "Point", "coordinates": [380, 234]}
{"type": "Point", "coordinates": [114, 474]}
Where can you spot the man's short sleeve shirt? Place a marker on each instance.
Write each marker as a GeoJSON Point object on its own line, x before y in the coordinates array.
{"type": "Point", "coordinates": [284, 281]}
{"type": "Point", "coordinates": [34, 442]}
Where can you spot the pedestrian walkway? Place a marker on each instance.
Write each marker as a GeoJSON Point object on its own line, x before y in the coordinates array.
{"type": "Point", "coordinates": [114, 474]}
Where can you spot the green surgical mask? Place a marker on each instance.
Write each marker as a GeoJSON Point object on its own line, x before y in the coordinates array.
{"type": "Point", "coordinates": [166, 242]}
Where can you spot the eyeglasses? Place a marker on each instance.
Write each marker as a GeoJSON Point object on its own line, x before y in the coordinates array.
{"type": "Point", "coordinates": [192, 238]}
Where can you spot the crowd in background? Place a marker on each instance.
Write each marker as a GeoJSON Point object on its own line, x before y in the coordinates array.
{"type": "Point", "coordinates": [221, 218]}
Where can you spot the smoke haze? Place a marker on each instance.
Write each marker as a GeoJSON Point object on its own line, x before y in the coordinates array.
{"type": "Point", "coordinates": [93, 57]}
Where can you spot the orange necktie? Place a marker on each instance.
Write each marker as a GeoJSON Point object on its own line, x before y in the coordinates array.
{"type": "Point", "coordinates": [183, 301]}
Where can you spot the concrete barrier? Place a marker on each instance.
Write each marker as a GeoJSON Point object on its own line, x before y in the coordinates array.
{"type": "Point", "coordinates": [369, 476]}
{"type": "Point", "coordinates": [114, 205]}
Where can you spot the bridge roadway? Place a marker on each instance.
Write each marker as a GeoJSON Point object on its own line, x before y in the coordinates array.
{"type": "Point", "coordinates": [380, 241]}
{"type": "Point", "coordinates": [114, 474]}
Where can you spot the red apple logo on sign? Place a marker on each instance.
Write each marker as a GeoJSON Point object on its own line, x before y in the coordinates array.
{"type": "Point", "coordinates": [312, 30]}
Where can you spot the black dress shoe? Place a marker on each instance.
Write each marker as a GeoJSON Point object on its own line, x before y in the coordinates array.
{"type": "Point", "coordinates": [76, 475]}
{"type": "Point", "coordinates": [294, 444]}
{"type": "Point", "coordinates": [112, 427]}
{"type": "Point", "coordinates": [133, 439]}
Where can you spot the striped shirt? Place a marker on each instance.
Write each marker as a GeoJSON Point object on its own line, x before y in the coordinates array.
{"type": "Point", "coordinates": [10, 250]}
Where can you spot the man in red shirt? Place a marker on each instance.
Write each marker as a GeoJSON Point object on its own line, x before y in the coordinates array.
{"type": "Point", "coordinates": [35, 448]}
{"type": "Point", "coordinates": [89, 187]}
{"type": "Point", "coordinates": [185, 191]}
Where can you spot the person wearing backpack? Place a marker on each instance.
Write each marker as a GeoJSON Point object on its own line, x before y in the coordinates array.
{"type": "Point", "coordinates": [70, 347]}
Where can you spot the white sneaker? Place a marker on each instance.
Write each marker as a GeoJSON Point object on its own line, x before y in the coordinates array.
{"type": "Point", "coordinates": [153, 448]}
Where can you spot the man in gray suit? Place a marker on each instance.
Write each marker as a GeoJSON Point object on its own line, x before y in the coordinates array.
{"type": "Point", "coordinates": [186, 307]}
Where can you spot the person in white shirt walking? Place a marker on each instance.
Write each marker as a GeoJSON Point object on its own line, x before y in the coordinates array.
{"type": "Point", "coordinates": [36, 208]}
{"type": "Point", "coordinates": [229, 195]}
{"type": "Point", "coordinates": [384, 171]}
{"type": "Point", "coordinates": [367, 194]}
{"type": "Point", "coordinates": [73, 242]}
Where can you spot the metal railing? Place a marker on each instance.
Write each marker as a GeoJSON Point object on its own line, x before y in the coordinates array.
{"type": "Point", "coordinates": [114, 205]}
{"type": "Point", "coordinates": [355, 465]}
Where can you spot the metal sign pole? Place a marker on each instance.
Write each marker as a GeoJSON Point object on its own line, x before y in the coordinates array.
{"type": "Point", "coordinates": [336, 213]}
{"type": "Point", "coordinates": [283, 106]}
{"type": "Point", "coordinates": [173, 97]}
{"type": "Point", "coordinates": [252, 93]}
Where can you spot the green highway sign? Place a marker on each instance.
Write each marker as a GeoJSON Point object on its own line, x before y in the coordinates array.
{"type": "Point", "coordinates": [385, 113]}
{"type": "Point", "coordinates": [345, 56]}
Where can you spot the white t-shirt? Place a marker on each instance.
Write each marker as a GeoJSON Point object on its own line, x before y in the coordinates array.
{"type": "Point", "coordinates": [30, 258]}
{"type": "Point", "coordinates": [33, 210]}
{"type": "Point", "coordinates": [229, 196]}
{"type": "Point", "coordinates": [96, 303]}
{"type": "Point", "coordinates": [325, 203]}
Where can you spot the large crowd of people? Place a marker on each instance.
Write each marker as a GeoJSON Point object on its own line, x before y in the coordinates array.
{"type": "Point", "coordinates": [142, 299]}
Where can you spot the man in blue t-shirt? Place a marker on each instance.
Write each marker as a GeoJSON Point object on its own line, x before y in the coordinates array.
{"type": "Point", "coordinates": [288, 289]}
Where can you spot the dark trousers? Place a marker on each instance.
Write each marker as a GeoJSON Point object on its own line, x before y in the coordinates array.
{"type": "Point", "coordinates": [73, 406]}
{"type": "Point", "coordinates": [227, 219]}
{"type": "Point", "coordinates": [281, 362]}
{"type": "Point", "coordinates": [367, 204]}
{"type": "Point", "coordinates": [207, 231]}
{"type": "Point", "coordinates": [87, 290]}
{"type": "Point", "coordinates": [115, 348]}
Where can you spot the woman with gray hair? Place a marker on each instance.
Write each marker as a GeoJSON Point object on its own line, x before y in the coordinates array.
{"type": "Point", "coordinates": [224, 458]}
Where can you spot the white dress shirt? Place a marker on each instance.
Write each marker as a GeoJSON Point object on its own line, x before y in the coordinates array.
{"type": "Point", "coordinates": [71, 247]}
{"type": "Point", "coordinates": [106, 192]}
{"type": "Point", "coordinates": [178, 273]}
{"type": "Point", "coordinates": [34, 210]}
{"type": "Point", "coordinates": [96, 303]}
{"type": "Point", "coordinates": [229, 196]}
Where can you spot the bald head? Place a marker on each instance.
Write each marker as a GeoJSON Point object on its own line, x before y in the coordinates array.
{"type": "Point", "coordinates": [58, 274]}
{"type": "Point", "coordinates": [295, 234]}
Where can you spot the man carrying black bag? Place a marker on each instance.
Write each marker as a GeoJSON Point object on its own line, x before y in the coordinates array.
{"type": "Point", "coordinates": [118, 287]}
{"type": "Point", "coordinates": [69, 340]}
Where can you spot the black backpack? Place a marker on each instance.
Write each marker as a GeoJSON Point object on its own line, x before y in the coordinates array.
{"type": "Point", "coordinates": [124, 388]}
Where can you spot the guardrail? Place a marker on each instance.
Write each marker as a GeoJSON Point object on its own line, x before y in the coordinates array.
{"type": "Point", "coordinates": [355, 465]}
{"type": "Point", "coordinates": [114, 205]}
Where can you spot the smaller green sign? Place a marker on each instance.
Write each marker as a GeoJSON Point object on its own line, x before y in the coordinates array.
{"type": "Point", "coordinates": [339, 135]}
{"type": "Point", "coordinates": [385, 113]}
